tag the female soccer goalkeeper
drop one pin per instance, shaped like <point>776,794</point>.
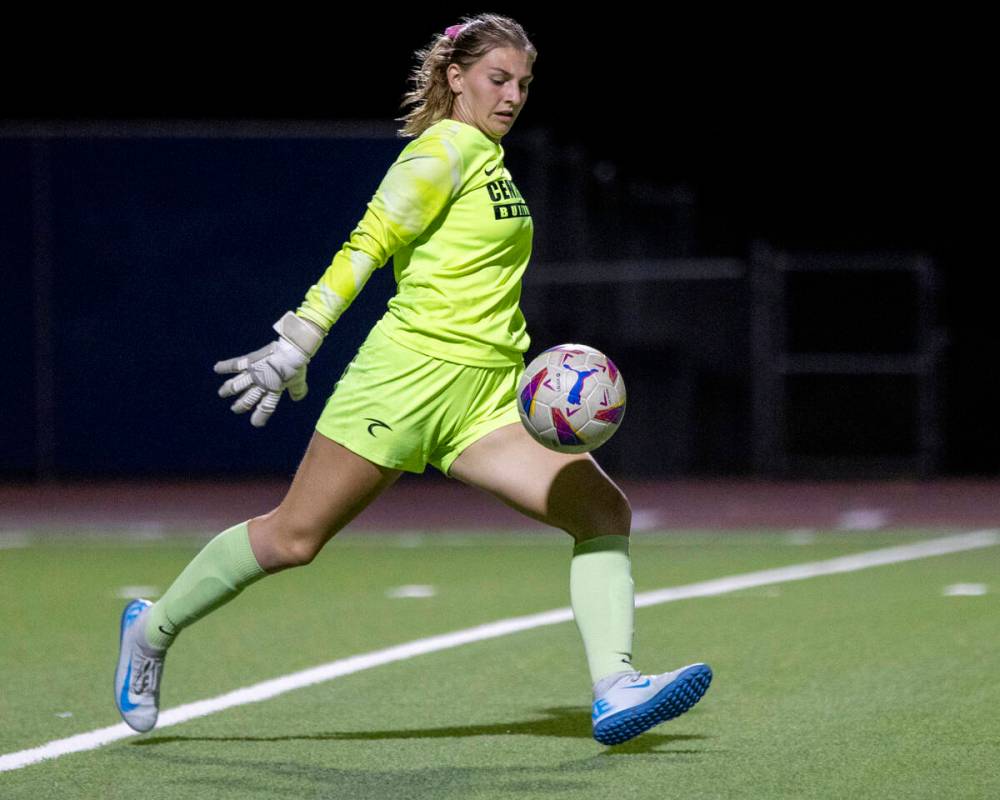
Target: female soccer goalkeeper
<point>434,382</point>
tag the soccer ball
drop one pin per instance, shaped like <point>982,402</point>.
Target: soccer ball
<point>571,398</point>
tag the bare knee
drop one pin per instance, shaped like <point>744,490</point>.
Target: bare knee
<point>280,541</point>
<point>302,545</point>
<point>331,486</point>
<point>608,513</point>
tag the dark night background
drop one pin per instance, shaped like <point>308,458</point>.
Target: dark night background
<point>846,134</point>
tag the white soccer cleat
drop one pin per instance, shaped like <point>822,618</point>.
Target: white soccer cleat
<point>140,667</point>
<point>627,703</point>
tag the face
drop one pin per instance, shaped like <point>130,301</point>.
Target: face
<point>496,83</point>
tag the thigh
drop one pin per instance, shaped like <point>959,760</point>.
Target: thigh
<point>479,401</point>
<point>331,487</point>
<point>567,491</point>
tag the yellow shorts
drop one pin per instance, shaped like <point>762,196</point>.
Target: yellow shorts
<point>403,409</point>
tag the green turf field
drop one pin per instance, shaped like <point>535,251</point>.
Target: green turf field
<point>867,684</point>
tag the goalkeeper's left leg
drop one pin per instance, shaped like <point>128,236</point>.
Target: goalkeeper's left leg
<point>572,492</point>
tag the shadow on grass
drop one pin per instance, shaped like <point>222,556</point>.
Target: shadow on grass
<point>219,777</point>
<point>563,722</point>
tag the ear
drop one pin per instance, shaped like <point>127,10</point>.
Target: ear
<point>454,74</point>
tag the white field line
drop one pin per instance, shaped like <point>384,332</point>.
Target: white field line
<point>492,630</point>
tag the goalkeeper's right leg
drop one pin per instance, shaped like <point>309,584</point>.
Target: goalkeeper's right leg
<point>331,486</point>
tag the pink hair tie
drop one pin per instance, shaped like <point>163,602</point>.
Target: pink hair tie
<point>453,31</point>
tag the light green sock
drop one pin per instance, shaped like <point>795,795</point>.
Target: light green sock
<point>603,598</point>
<point>223,568</point>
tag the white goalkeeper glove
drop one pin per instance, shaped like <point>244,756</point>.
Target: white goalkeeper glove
<point>264,374</point>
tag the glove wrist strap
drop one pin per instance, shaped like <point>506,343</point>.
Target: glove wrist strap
<point>306,336</point>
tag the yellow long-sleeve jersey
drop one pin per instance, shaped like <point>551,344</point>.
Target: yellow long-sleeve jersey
<point>459,233</point>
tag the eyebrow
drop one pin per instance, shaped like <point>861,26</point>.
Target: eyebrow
<point>501,69</point>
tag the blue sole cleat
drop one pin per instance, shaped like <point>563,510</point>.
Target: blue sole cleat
<point>634,703</point>
<point>138,671</point>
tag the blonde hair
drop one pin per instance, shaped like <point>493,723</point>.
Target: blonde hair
<point>431,96</point>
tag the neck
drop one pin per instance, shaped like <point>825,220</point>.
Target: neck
<point>455,116</point>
